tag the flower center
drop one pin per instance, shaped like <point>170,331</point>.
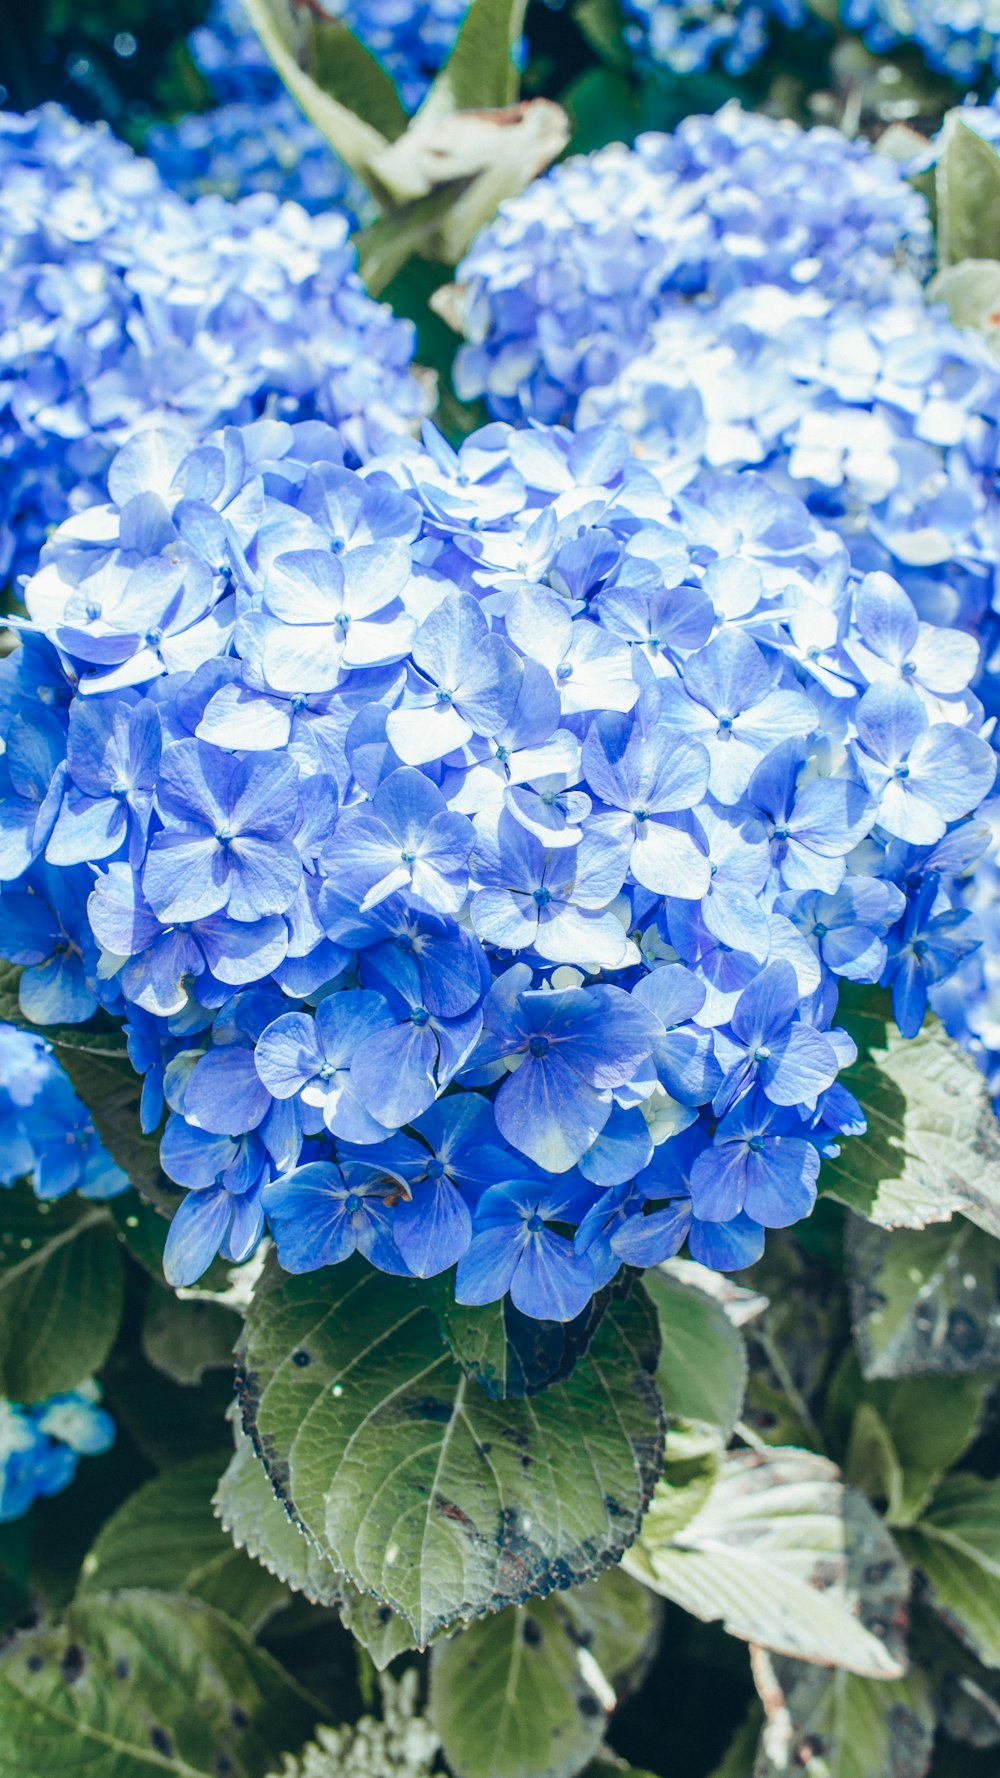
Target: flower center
<point>352,1203</point>
<point>419,1015</point>
<point>538,1047</point>
<point>535,1224</point>
<point>541,897</point>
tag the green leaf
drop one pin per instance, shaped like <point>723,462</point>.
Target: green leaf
<point>257,1522</point>
<point>703,1363</point>
<point>968,194</point>
<point>924,1301</point>
<point>956,1546</point>
<point>166,1536</point>
<point>737,1761</point>
<point>481,72</point>
<point>10,1005</point>
<point>823,1724</point>
<point>508,1353</point>
<point>691,1460</point>
<point>968,1694</point>
<point>142,1229</point>
<point>971,291</point>
<point>348,72</point>
<point>789,1558</point>
<point>932,1147</point>
<point>795,1341</point>
<point>602,23</point>
<point>288,34</point>
<point>907,1434</point>
<point>440,1503</point>
<point>525,1694</point>
<point>143,1683</point>
<point>61,1292</point>
<point>186,1339</point>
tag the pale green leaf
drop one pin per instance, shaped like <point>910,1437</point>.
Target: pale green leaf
<point>165,1536</point>
<point>61,1292</point>
<point>956,1546</point>
<point>255,1519</point>
<point>525,1694</point>
<point>440,1503</point>
<point>787,1557</point>
<point>830,1724</point>
<point>144,1683</point>
<point>480,71</point>
<point>971,291</point>
<point>924,1301</point>
<point>968,194</point>
<point>286,31</point>
<point>932,1147</point>
<point>703,1363</point>
<point>907,1434</point>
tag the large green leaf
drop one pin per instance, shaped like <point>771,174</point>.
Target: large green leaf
<point>509,1353</point>
<point>967,1693</point>
<point>787,1557</point>
<point>971,291</point>
<point>956,1546</point>
<point>525,1694</point>
<point>480,72</point>
<point>142,1683</point>
<point>60,1293</point>
<point>439,1502</point>
<point>824,1724</point>
<point>967,185</point>
<point>166,1536</point>
<point>793,1343</point>
<point>288,32</point>
<point>932,1146</point>
<point>925,1301</point>
<point>256,1521</point>
<point>348,72</point>
<point>906,1434</point>
<point>703,1363</point>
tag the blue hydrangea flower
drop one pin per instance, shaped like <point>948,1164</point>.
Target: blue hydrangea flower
<point>41,1445</point>
<point>960,41</point>
<point>121,302</point>
<point>46,1134</point>
<point>564,287</point>
<point>686,36</point>
<point>493,917</point>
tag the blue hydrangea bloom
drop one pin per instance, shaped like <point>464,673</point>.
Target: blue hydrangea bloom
<point>121,304</point>
<point>564,287</point>
<point>255,137</point>
<point>41,1445</point>
<point>476,842</point>
<point>962,41</point>
<point>686,36</point>
<point>46,1134</point>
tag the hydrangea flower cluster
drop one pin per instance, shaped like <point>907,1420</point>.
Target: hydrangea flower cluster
<point>961,40</point>
<point>121,304</point>
<point>475,843</point>
<point>688,36</point>
<point>256,137</point>
<point>883,417</point>
<point>564,287</point>
<point>46,1134</point>
<point>41,1445</point>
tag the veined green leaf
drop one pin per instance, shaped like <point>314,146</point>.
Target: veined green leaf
<point>440,1503</point>
<point>703,1363</point>
<point>924,1301</point>
<point>956,1546</point>
<point>525,1694</point>
<point>143,1683</point>
<point>165,1536</point>
<point>480,72</point>
<point>787,1557</point>
<point>824,1724</point>
<point>60,1293</point>
<point>932,1148</point>
<point>967,184</point>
